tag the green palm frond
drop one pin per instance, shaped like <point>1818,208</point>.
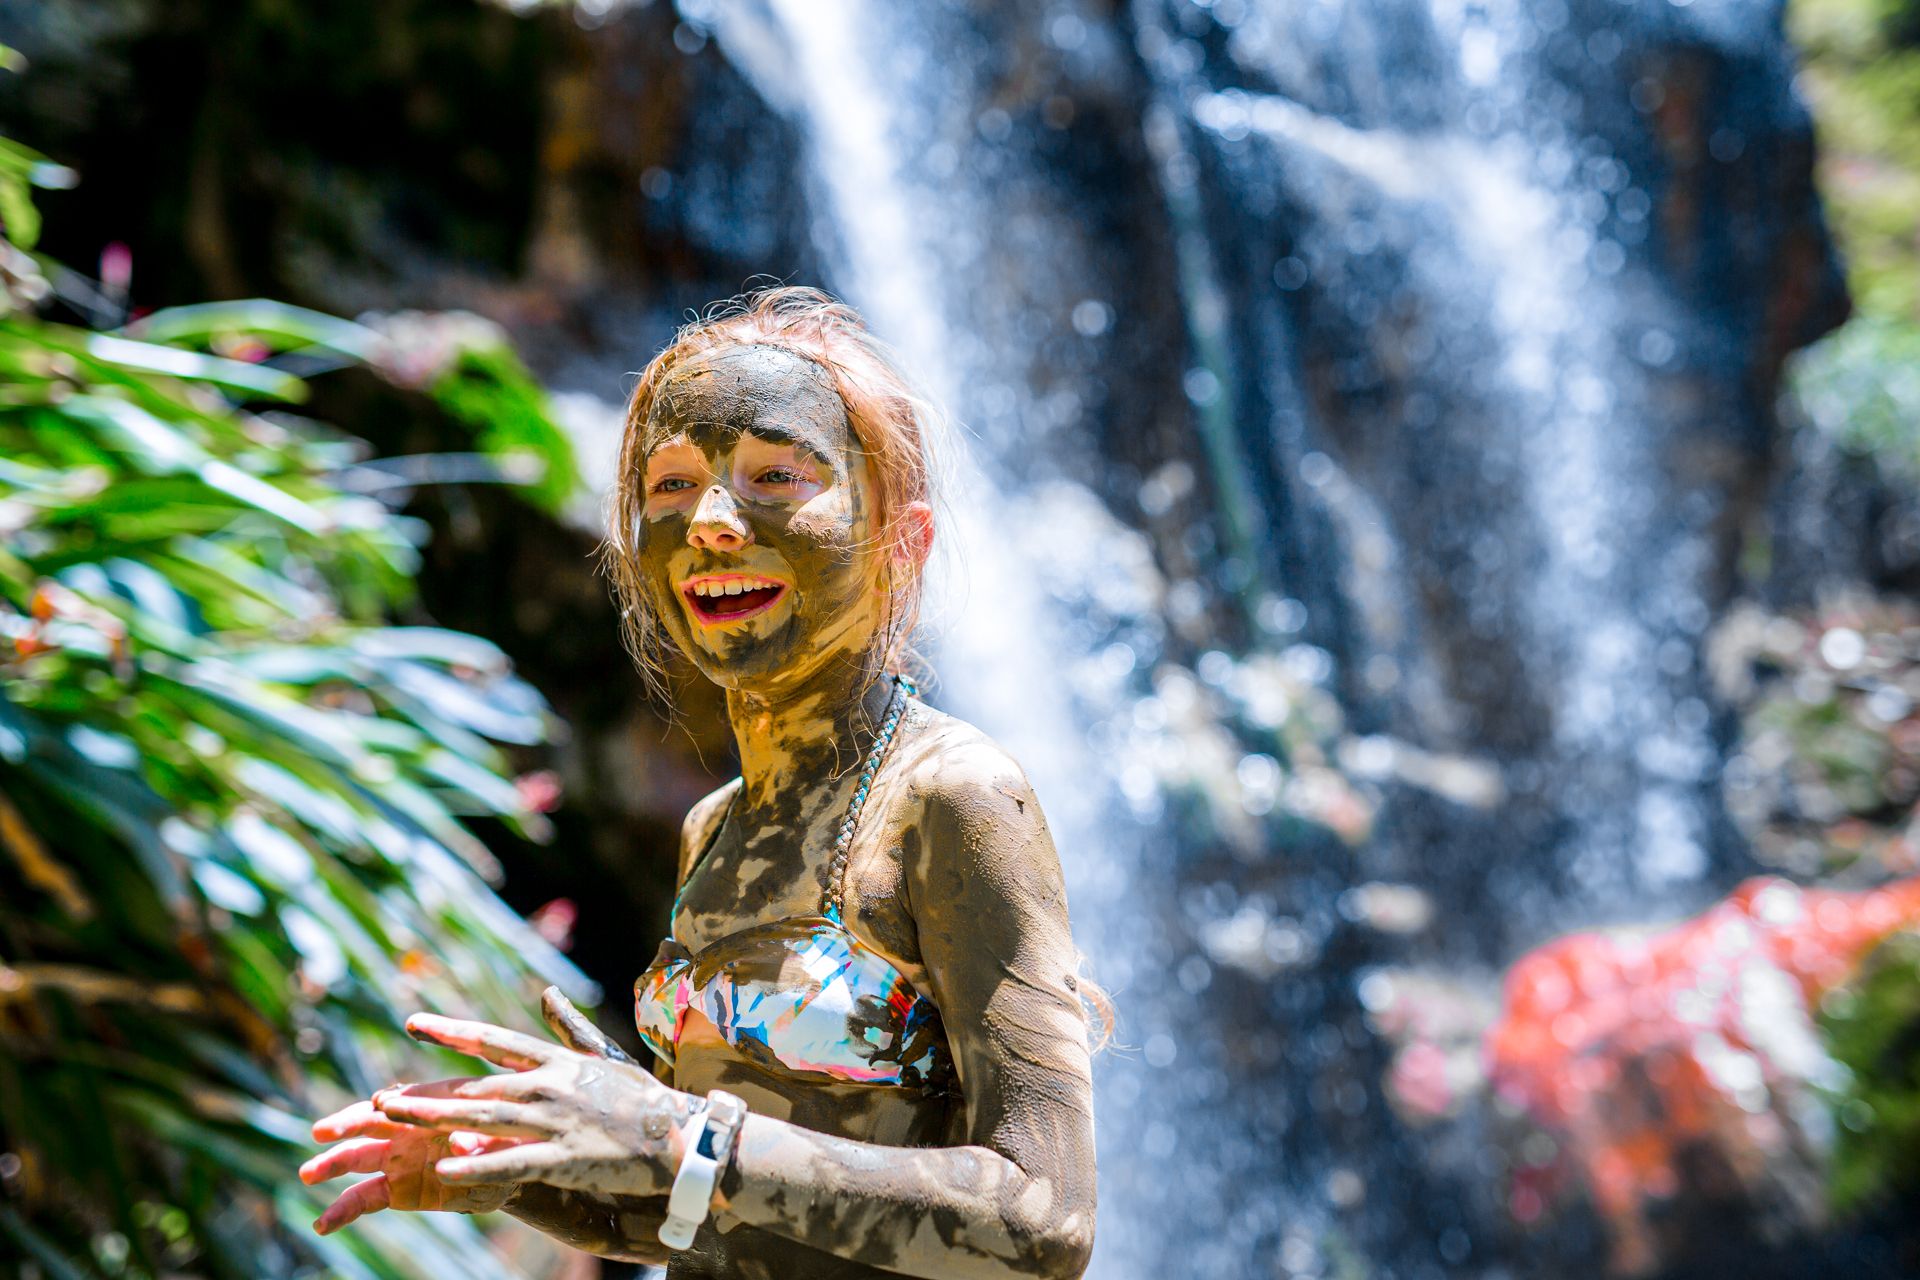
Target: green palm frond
<point>233,851</point>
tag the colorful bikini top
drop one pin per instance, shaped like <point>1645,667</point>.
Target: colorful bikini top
<point>801,994</point>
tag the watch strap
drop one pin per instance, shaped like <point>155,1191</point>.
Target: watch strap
<point>727,1112</point>
<point>707,1141</point>
<point>692,1185</point>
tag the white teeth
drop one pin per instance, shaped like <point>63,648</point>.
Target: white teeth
<point>732,586</point>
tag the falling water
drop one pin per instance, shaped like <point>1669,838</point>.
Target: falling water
<point>1613,641</point>
<point>1361,404</point>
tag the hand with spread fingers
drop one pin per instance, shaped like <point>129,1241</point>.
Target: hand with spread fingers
<point>405,1157</point>
<point>402,1158</point>
<point>574,1120</point>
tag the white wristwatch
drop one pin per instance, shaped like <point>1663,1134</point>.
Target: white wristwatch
<point>708,1138</point>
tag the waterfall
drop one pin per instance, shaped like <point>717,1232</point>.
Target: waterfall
<point>1610,644</point>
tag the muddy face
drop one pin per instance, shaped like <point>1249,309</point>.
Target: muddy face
<point>756,535</point>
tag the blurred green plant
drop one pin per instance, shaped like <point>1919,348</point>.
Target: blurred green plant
<point>464,363</point>
<point>1826,785</point>
<point>232,855</point>
<point>1853,799</point>
<point>1862,386</point>
<point>1862,79</point>
<point>1872,1028</point>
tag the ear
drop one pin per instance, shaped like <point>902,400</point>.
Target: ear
<point>916,536</point>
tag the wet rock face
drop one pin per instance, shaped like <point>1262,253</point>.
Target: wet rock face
<point>666,183</point>
<point>1505,294</point>
<point>1500,300</point>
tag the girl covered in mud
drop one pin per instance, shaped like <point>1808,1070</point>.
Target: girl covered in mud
<point>873,1044</point>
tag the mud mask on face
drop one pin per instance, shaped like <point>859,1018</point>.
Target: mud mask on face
<point>727,429</point>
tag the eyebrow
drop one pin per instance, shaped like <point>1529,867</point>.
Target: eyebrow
<point>774,433</point>
<point>779,433</point>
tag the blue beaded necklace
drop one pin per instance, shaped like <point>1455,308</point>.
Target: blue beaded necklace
<point>837,868</point>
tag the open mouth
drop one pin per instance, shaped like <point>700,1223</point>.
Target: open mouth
<point>731,597</point>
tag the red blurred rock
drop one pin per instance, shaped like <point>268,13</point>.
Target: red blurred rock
<point>1679,1064</point>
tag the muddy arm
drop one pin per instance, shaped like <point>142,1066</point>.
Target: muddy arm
<point>623,1228</point>
<point>990,906</point>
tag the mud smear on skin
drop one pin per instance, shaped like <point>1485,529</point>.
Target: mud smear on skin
<point>712,403</point>
<point>791,683</point>
<point>950,824</point>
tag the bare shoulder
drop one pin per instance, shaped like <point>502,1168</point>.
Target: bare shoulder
<point>701,820</point>
<point>977,824</point>
<point>957,768</point>
<point>984,880</point>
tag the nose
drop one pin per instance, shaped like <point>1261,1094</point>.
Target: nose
<point>717,525</point>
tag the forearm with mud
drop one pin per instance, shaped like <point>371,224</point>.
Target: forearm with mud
<point>621,1228</point>
<point>967,1213</point>
<point>859,1201</point>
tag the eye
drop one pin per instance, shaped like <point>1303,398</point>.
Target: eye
<point>779,475</point>
<point>670,484</point>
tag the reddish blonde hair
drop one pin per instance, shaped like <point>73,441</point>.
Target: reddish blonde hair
<point>893,423</point>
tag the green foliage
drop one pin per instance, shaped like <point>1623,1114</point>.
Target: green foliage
<point>232,855</point>
<point>487,388</point>
<point>1873,1029</point>
<point>18,217</point>
<point>1862,386</point>
<point>1833,750</point>
<point>462,362</point>
<point>1862,77</point>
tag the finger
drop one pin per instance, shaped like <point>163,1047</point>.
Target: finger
<point>516,1164</point>
<point>361,1198</point>
<point>508,1086</point>
<point>361,1155</point>
<point>480,1115</point>
<point>504,1085</point>
<point>576,1031</point>
<point>482,1040</point>
<point>464,1142</point>
<point>361,1120</point>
